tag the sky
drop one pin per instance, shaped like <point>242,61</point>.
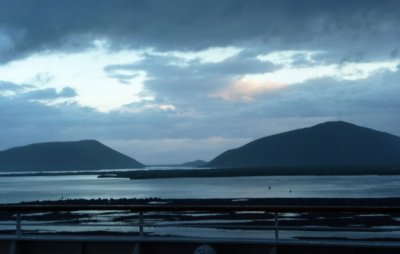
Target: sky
<point>173,81</point>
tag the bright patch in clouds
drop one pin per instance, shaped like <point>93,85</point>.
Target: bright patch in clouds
<point>245,89</point>
<point>289,57</point>
<point>146,106</point>
<point>83,72</point>
<point>210,55</point>
<point>298,67</point>
<point>355,71</point>
<point>95,87</point>
<point>167,107</point>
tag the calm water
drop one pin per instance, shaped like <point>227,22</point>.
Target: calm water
<point>16,189</point>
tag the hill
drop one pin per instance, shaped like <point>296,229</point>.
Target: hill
<point>196,163</point>
<point>76,155</point>
<point>330,144</point>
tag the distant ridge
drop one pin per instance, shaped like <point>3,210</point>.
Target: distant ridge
<point>330,144</point>
<point>196,163</point>
<point>74,155</point>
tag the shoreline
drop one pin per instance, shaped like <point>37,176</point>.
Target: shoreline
<point>244,172</point>
<point>391,201</point>
<point>140,174</point>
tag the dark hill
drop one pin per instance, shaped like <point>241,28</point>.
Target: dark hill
<point>77,155</point>
<point>331,144</point>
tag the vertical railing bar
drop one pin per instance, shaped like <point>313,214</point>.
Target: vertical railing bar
<point>266,213</point>
<point>141,223</point>
<point>18,224</point>
<point>276,227</point>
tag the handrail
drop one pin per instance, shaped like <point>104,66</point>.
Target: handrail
<point>20,209</point>
<point>202,208</point>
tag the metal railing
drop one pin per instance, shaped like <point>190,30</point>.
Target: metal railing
<point>274,213</point>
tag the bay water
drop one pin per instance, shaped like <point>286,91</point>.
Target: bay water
<point>30,188</point>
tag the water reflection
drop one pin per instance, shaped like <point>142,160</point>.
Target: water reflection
<point>28,188</point>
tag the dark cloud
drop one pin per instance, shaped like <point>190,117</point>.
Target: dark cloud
<point>27,26</point>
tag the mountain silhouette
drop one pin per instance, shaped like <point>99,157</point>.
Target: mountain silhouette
<point>330,144</point>
<point>75,155</point>
<point>196,163</point>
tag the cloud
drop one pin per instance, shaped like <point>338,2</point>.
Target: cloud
<point>193,25</point>
<point>296,67</point>
<point>371,102</point>
<point>173,79</point>
<point>25,92</point>
<point>83,72</point>
<point>49,94</point>
<point>6,86</point>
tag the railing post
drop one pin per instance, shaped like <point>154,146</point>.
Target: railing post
<point>18,224</point>
<point>141,223</point>
<point>276,226</point>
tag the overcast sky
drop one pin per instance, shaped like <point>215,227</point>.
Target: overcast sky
<point>179,80</point>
